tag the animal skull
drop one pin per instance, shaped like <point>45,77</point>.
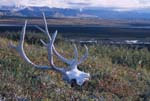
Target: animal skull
<point>69,74</point>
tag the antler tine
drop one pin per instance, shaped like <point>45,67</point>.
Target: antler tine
<point>50,54</point>
<point>70,62</point>
<point>75,60</point>
<point>21,42</point>
<point>61,57</point>
<point>85,56</point>
<point>75,53</point>
<point>43,42</point>
<point>46,28</point>
<point>21,38</point>
<point>21,51</point>
<point>41,29</point>
<point>55,51</point>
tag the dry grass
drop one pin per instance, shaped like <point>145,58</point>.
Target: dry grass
<point>109,81</point>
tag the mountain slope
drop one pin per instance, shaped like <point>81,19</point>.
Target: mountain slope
<point>106,13</point>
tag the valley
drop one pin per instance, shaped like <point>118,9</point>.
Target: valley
<point>88,30</point>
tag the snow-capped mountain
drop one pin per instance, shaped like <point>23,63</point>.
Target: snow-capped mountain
<point>106,13</point>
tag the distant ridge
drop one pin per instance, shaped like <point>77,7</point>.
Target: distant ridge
<point>104,13</point>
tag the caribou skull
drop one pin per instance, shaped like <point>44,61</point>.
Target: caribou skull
<point>71,74</point>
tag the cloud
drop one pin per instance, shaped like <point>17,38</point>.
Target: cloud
<point>125,4</point>
<point>50,3</point>
<point>122,3</point>
<point>117,3</point>
<point>10,2</point>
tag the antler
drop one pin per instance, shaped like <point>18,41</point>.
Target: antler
<point>69,62</point>
<point>70,75</point>
<point>19,48</point>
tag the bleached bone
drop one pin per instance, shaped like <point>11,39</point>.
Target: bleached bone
<point>70,74</point>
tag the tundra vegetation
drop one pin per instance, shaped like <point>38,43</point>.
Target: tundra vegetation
<point>117,73</point>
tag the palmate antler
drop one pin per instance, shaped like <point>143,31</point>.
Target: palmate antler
<point>73,74</point>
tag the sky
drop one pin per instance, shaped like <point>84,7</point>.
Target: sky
<point>120,4</point>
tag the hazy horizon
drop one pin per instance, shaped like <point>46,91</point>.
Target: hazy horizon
<point>118,4</point>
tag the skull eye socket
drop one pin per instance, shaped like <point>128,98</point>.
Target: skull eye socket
<point>73,83</point>
<point>86,83</point>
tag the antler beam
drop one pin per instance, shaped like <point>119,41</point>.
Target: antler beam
<point>69,75</point>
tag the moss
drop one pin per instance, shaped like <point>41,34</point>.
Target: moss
<point>115,74</point>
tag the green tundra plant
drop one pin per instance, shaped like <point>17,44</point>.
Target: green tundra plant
<point>72,74</point>
<point>108,80</point>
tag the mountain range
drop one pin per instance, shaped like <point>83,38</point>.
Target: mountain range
<point>104,13</point>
